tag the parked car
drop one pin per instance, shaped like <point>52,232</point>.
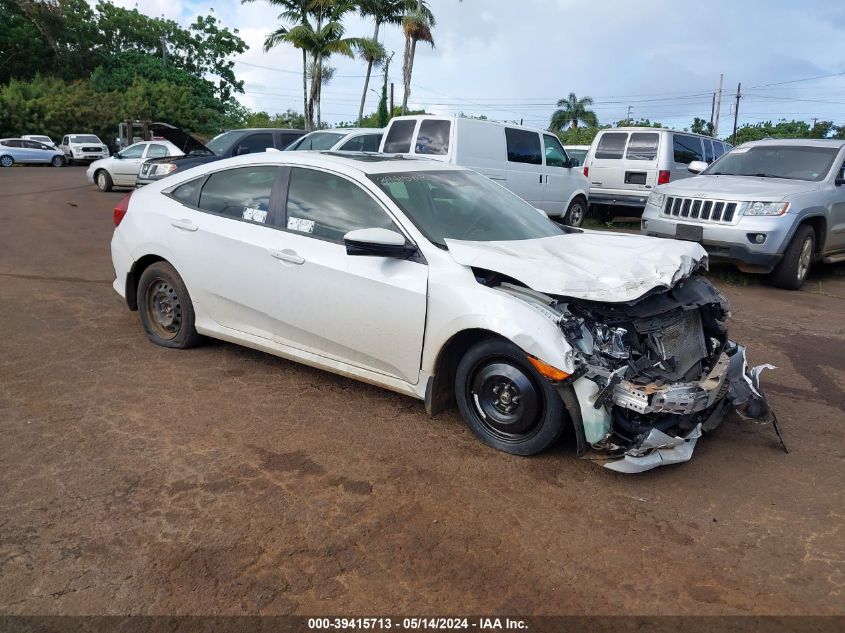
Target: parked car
<point>40,138</point>
<point>766,206</point>
<point>577,153</point>
<point>226,145</point>
<point>431,280</point>
<point>532,163</point>
<point>83,148</point>
<point>18,150</point>
<point>625,164</point>
<point>340,140</point>
<point>121,170</point>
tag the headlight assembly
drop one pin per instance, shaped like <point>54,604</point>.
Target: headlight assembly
<point>656,199</point>
<point>766,208</point>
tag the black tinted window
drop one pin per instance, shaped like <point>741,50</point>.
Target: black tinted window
<point>523,146</point>
<point>611,145</point>
<point>433,137</point>
<point>14,143</point>
<point>328,206</point>
<point>186,193</point>
<point>718,149</point>
<point>399,137</point>
<point>555,156</point>
<point>687,148</point>
<point>708,150</point>
<point>363,143</point>
<point>642,146</point>
<point>254,143</point>
<point>240,193</point>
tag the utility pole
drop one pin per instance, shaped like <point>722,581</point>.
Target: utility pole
<point>718,107</point>
<point>391,99</point>
<point>712,110</point>
<point>736,109</point>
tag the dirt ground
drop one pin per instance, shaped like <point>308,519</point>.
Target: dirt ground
<point>220,480</point>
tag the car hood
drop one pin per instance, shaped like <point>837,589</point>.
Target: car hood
<point>179,138</point>
<point>590,265</point>
<point>740,188</point>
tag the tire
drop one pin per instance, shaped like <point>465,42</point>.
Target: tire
<point>164,304</point>
<point>103,180</point>
<point>505,402</point>
<point>793,267</point>
<point>58,161</point>
<point>6,161</point>
<point>576,213</point>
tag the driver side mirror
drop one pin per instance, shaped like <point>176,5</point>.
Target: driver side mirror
<point>241,150</point>
<point>697,166</point>
<point>839,182</point>
<point>117,155</point>
<point>573,162</point>
<point>377,243</point>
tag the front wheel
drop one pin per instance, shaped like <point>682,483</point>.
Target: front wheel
<point>164,304</point>
<point>792,270</point>
<point>104,181</point>
<point>505,402</point>
<point>576,213</point>
<point>58,161</point>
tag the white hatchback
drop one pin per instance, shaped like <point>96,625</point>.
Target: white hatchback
<point>434,281</point>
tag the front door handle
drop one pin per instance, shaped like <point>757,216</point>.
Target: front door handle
<point>289,256</point>
<point>184,225</point>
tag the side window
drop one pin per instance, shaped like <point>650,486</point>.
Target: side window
<point>64,140</point>
<point>708,150</point>
<point>555,156</point>
<point>156,151</point>
<point>32,145</point>
<point>370,142</point>
<point>133,151</point>
<point>611,145</point>
<point>433,137</point>
<point>242,193</point>
<point>642,146</point>
<point>718,149</point>
<point>14,143</point>
<point>399,137</point>
<point>523,146</point>
<point>186,193</point>
<point>687,149</point>
<point>254,143</point>
<point>328,206</point>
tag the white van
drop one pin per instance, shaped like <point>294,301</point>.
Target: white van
<point>530,162</point>
<point>625,164</point>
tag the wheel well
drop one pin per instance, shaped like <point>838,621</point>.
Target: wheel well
<point>440,394</point>
<point>134,275</point>
<point>819,226</point>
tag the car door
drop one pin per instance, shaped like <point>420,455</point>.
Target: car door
<point>560,179</point>
<point>525,170</point>
<point>127,164</point>
<point>224,234</point>
<point>64,146</point>
<point>36,152</point>
<point>364,311</point>
<point>685,149</point>
<point>837,231</point>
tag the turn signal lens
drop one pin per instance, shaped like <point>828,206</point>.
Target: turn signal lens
<point>552,373</point>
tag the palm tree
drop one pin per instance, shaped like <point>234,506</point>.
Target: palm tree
<point>417,25</point>
<point>572,110</point>
<point>382,12</point>
<point>328,40</point>
<point>372,52</point>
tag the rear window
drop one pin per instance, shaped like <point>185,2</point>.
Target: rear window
<point>687,149</point>
<point>523,146</point>
<point>399,135</point>
<point>642,146</point>
<point>433,137</point>
<point>611,145</point>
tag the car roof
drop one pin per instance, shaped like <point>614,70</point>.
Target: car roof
<point>455,117</point>
<point>797,142</point>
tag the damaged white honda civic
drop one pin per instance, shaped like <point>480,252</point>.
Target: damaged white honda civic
<point>436,282</point>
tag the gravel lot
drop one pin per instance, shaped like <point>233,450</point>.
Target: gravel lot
<point>222,480</point>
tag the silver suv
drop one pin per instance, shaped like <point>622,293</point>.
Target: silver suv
<point>766,206</point>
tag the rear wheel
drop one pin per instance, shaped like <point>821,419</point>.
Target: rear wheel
<point>6,161</point>
<point>792,270</point>
<point>576,213</point>
<point>505,402</point>
<point>103,179</point>
<point>164,304</point>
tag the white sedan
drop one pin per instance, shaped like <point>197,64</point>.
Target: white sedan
<point>436,282</point>
<point>121,170</point>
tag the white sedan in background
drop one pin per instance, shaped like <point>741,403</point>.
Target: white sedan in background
<point>434,281</point>
<point>339,140</point>
<point>121,170</point>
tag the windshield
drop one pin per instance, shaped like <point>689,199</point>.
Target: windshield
<point>41,139</point>
<point>792,162</point>
<point>577,154</point>
<point>220,143</point>
<point>85,138</point>
<point>464,205</point>
<point>317,141</point>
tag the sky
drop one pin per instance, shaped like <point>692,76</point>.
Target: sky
<point>513,59</point>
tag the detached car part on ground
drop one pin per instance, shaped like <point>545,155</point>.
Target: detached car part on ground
<point>451,290</point>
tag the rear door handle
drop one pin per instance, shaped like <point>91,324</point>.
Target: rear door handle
<point>289,256</point>
<point>184,225</point>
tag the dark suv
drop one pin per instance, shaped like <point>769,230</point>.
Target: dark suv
<point>226,145</point>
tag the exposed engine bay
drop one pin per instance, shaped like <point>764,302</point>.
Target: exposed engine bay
<point>652,374</point>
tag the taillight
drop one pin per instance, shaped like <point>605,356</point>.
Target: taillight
<point>662,176</point>
<point>586,172</point>
<point>121,208</point>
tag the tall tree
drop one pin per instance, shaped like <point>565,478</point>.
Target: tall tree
<point>382,12</point>
<point>417,25</point>
<point>572,111</point>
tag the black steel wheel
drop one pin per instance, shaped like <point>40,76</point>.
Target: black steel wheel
<point>505,402</point>
<point>164,304</point>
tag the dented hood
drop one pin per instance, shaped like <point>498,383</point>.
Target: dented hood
<point>591,265</point>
